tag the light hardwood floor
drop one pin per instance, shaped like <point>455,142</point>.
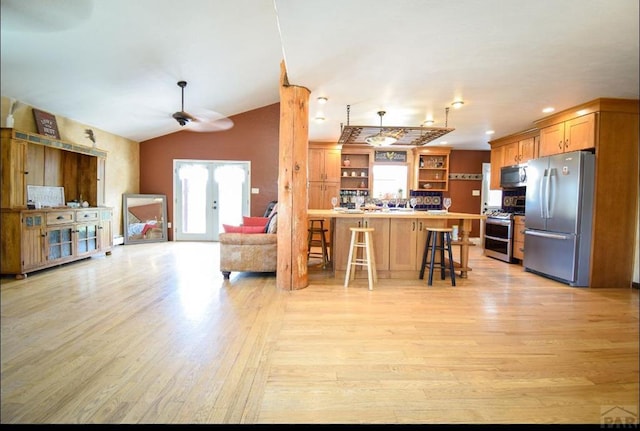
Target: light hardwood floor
<point>153,334</point>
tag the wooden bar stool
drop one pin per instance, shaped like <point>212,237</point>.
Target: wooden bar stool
<point>314,241</point>
<point>361,238</point>
<point>443,237</point>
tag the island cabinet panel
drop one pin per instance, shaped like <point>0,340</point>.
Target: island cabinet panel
<point>407,240</point>
<point>342,241</point>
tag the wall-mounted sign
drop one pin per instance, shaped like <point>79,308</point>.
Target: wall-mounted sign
<point>391,156</point>
<point>46,123</point>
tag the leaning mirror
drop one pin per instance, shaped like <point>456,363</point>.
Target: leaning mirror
<point>144,218</point>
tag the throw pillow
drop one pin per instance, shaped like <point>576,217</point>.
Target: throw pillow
<point>242,229</point>
<point>252,229</point>
<point>232,229</point>
<point>255,221</point>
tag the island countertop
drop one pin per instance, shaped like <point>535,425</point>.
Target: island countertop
<point>400,236</point>
<point>322,213</point>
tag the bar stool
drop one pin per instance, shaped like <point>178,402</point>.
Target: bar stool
<point>433,235</point>
<point>361,238</point>
<point>313,241</point>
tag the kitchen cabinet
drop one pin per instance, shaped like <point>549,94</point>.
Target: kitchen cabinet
<point>342,240</point>
<point>520,152</point>
<point>518,237</point>
<point>571,135</point>
<point>324,175</point>
<point>497,157</point>
<point>431,169</point>
<point>38,239</point>
<point>510,150</point>
<point>13,157</point>
<point>406,255</point>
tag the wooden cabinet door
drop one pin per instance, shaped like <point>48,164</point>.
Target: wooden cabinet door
<point>87,242</point>
<point>380,241</point>
<point>32,241</point>
<point>105,236</point>
<point>496,163</point>
<point>552,140</point>
<point>316,191</point>
<point>59,243</point>
<point>331,189</point>
<point>332,166</point>
<point>316,164</point>
<point>518,238</point>
<point>403,250</point>
<point>342,240</point>
<point>528,149</point>
<point>14,171</point>
<point>580,133</point>
<point>511,154</point>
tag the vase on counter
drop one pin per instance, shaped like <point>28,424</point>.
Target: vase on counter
<point>346,161</point>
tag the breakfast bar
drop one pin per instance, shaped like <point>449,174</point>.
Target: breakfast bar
<point>399,238</point>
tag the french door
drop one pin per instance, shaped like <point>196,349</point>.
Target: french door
<point>209,194</point>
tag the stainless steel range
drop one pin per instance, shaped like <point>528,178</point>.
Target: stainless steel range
<point>498,235</point>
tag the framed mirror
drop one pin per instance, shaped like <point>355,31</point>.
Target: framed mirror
<point>144,218</point>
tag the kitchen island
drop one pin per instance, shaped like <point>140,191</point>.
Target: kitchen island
<point>398,239</point>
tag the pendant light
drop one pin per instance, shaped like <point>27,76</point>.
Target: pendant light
<point>380,139</point>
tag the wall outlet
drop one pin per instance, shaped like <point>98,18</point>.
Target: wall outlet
<point>255,190</point>
<point>168,225</point>
<point>475,192</point>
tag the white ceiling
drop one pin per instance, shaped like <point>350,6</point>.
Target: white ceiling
<point>114,64</point>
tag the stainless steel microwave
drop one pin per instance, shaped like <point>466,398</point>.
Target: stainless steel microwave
<point>513,176</point>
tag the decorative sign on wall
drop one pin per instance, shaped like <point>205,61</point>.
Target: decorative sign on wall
<point>391,156</point>
<point>46,123</point>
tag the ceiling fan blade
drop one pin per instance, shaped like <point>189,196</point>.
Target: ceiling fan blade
<point>210,126</point>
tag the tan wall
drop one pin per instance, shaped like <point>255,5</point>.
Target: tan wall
<point>122,167</point>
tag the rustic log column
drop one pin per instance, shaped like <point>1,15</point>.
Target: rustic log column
<point>292,270</point>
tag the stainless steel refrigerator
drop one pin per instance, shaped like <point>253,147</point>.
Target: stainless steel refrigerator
<point>559,215</point>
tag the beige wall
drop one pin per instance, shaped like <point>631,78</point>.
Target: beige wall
<point>123,158</point>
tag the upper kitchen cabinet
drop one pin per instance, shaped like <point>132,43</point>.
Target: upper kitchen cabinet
<point>510,150</point>
<point>431,169</point>
<point>571,135</point>
<point>324,175</point>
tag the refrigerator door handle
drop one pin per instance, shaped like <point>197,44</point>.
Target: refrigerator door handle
<point>541,189</point>
<point>547,192</point>
<point>551,192</point>
<point>546,234</point>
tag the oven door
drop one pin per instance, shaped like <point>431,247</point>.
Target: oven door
<point>498,241</point>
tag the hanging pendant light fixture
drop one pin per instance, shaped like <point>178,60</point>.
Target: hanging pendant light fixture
<point>380,139</point>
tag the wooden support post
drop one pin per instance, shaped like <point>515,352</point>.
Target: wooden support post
<point>292,270</point>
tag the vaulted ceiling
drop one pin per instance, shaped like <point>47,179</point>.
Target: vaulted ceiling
<point>114,64</point>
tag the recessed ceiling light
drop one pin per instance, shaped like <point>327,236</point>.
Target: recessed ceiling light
<point>490,132</point>
<point>444,142</point>
<point>322,100</point>
<point>548,109</point>
<point>428,122</point>
<point>457,104</point>
<point>320,119</point>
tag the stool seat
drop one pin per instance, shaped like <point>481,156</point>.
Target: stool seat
<point>433,235</point>
<point>361,239</point>
<point>312,241</point>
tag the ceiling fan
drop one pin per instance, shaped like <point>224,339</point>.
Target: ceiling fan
<point>203,120</point>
